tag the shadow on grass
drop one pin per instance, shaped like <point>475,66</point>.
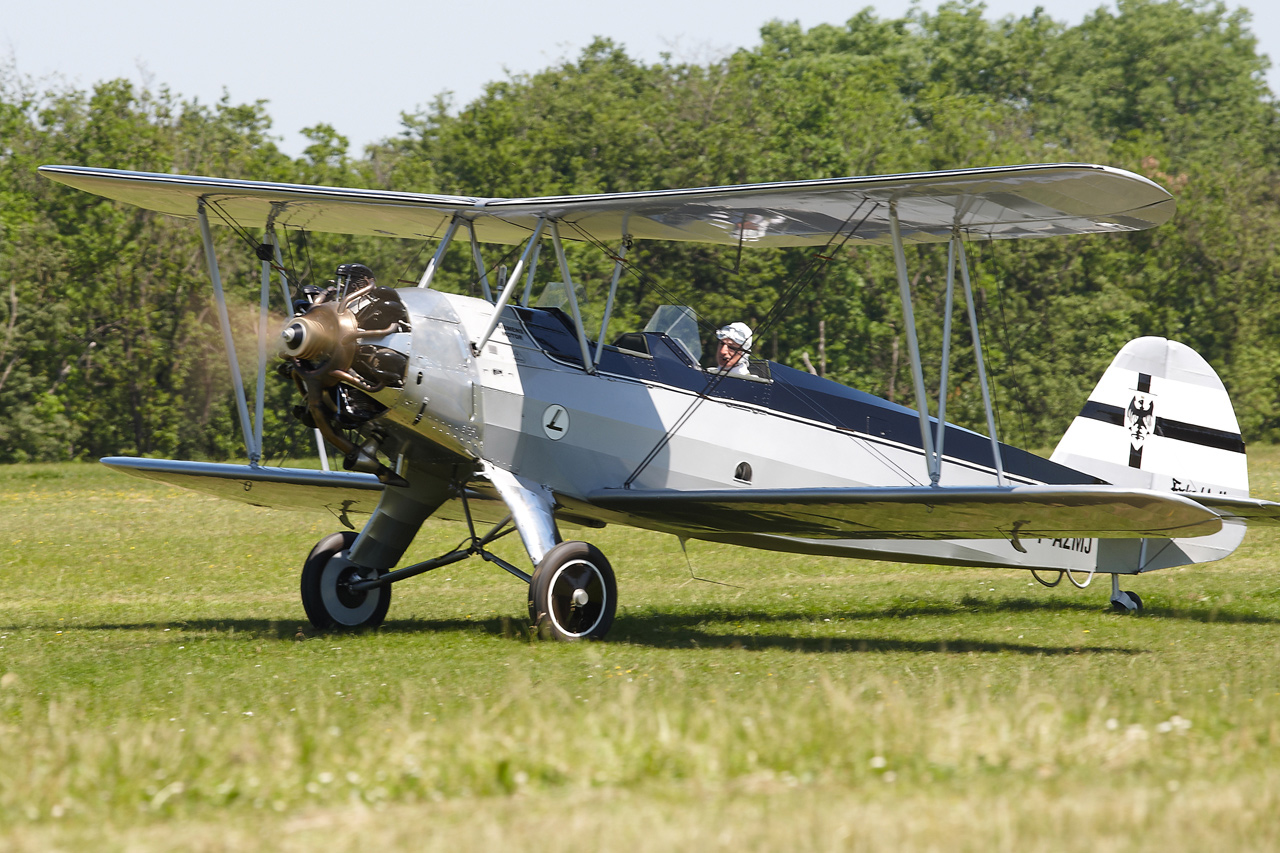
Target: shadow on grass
<point>1205,615</point>
<point>662,631</point>
<point>697,630</point>
<point>685,630</point>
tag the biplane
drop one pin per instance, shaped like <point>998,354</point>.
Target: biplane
<point>510,414</point>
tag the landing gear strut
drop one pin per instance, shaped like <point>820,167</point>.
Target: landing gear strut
<point>572,593</point>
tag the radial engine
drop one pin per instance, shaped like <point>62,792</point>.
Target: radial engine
<point>327,349</point>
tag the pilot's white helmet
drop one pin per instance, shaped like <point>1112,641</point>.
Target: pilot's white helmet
<point>738,333</point>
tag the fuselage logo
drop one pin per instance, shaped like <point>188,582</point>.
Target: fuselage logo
<point>1140,419</point>
<point>555,421</point>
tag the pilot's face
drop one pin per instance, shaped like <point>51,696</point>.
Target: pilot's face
<point>727,354</point>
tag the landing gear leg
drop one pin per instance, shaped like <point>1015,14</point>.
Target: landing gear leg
<point>1123,601</point>
<point>345,581</point>
<point>573,593</point>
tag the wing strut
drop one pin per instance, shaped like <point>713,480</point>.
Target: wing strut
<point>264,304</point>
<point>481,271</point>
<point>533,271</point>
<point>270,239</point>
<point>941,430</point>
<point>955,249</point>
<point>273,242</point>
<point>913,345</point>
<point>619,259</point>
<point>430,272</point>
<point>587,364</point>
<point>955,254</point>
<point>251,445</point>
<point>977,355</point>
<point>505,296</point>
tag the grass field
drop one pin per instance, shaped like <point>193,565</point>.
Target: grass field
<point>161,690</point>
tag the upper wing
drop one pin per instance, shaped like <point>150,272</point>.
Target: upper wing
<point>984,512</point>
<point>1003,202</point>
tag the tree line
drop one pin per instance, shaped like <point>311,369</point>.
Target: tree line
<point>107,337</point>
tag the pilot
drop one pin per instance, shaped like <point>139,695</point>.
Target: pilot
<point>733,348</point>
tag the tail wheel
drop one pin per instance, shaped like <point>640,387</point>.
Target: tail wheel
<point>326,593</point>
<point>1126,602</point>
<point>573,594</point>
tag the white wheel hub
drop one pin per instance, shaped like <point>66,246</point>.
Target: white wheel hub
<point>345,607</point>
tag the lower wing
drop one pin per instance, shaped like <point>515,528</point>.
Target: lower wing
<point>864,513</point>
<point>986,512</point>
<point>279,488</point>
<point>338,492</point>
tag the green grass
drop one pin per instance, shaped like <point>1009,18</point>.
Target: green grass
<point>161,690</point>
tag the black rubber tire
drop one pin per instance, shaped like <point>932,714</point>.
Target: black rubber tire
<point>568,568</point>
<point>327,604</point>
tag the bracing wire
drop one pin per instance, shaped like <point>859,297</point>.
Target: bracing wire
<point>1008,347</point>
<point>412,263</point>
<point>986,354</point>
<point>693,577</point>
<point>231,223</point>
<point>256,245</point>
<point>634,269</point>
<point>510,253</point>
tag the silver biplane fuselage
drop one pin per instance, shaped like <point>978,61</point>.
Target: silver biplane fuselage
<point>561,437</point>
<point>526,406</point>
<point>490,409</point>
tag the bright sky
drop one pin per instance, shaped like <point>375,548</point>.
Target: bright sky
<point>359,65</point>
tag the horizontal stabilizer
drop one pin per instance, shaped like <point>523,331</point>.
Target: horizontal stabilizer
<point>989,512</point>
<point>338,492</point>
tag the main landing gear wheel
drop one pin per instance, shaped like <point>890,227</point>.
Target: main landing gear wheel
<point>1126,602</point>
<point>326,594</point>
<point>573,593</point>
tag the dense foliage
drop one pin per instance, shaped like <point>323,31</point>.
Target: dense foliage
<point>106,339</point>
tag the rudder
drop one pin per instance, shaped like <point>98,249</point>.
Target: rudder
<point>1160,418</point>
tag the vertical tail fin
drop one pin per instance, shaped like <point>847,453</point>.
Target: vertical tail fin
<point>1159,419</point>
